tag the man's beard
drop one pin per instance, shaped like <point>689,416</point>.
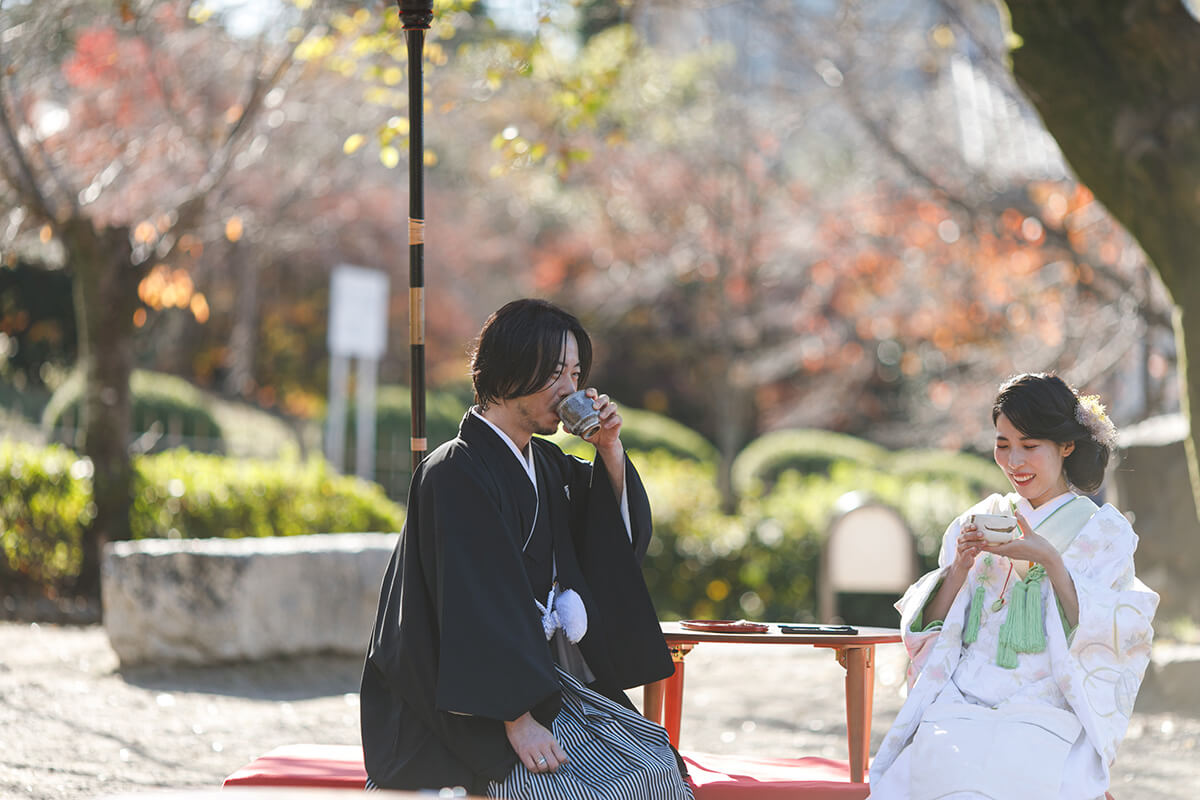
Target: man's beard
<point>540,428</point>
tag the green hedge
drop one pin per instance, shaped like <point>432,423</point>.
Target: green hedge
<point>45,502</point>
<point>803,450</point>
<point>763,562</point>
<point>647,432</point>
<point>195,496</point>
<point>765,459</point>
<point>979,473</point>
<point>760,563</point>
<point>170,406</point>
<point>393,432</point>
<point>642,431</point>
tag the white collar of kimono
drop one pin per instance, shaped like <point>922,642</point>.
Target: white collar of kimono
<point>1035,516</point>
<point>525,459</point>
<point>564,608</point>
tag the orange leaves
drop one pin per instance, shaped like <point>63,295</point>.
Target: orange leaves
<point>549,272</point>
<point>171,288</point>
<point>145,233</point>
<point>102,58</point>
<point>737,290</point>
<point>94,57</point>
<point>822,274</point>
<point>941,394</point>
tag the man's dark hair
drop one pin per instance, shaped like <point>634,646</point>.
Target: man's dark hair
<point>518,349</point>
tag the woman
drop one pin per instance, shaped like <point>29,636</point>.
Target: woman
<point>1026,656</point>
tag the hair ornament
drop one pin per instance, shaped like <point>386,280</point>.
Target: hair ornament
<point>1091,414</point>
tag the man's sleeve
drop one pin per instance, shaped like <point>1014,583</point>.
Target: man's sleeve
<point>493,660</point>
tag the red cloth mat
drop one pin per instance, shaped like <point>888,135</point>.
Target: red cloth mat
<point>714,777</point>
<point>332,766</point>
<point>718,777</point>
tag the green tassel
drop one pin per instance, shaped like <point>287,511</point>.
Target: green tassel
<point>1024,629</point>
<point>1010,633</point>
<point>1006,656</point>
<point>1034,634</point>
<point>972,630</point>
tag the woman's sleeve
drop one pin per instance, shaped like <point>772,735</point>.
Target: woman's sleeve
<point>918,633</point>
<point>1100,665</point>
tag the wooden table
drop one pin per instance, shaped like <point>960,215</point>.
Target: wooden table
<point>663,700</point>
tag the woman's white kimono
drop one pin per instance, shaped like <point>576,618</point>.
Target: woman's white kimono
<point>1093,672</point>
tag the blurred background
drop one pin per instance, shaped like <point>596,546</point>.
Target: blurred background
<point>809,239</point>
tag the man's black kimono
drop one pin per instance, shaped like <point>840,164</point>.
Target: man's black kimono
<point>458,645</point>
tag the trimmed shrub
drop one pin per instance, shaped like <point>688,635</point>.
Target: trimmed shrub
<point>45,503</point>
<point>168,406</point>
<point>393,432</point>
<point>981,474</point>
<point>803,450</point>
<point>763,563</point>
<point>646,431</point>
<point>196,496</point>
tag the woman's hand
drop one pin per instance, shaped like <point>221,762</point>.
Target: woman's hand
<point>1037,549</point>
<point>1030,547</point>
<point>970,544</point>
<point>537,748</point>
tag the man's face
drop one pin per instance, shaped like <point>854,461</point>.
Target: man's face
<point>536,411</point>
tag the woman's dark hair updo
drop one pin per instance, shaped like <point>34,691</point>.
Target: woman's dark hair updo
<point>1043,406</point>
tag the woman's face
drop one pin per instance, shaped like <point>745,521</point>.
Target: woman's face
<point>1034,466</point>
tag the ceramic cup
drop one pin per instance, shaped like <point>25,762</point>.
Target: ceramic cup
<point>577,415</point>
<point>997,528</point>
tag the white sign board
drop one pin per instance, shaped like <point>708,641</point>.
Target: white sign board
<point>358,303</point>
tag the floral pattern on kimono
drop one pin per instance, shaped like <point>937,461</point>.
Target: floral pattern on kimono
<point>1094,671</point>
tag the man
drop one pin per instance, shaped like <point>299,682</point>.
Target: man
<point>469,679</point>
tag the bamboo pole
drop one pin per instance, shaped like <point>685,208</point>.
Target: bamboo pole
<point>416,15</point>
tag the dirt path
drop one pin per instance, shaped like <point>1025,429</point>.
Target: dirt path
<point>73,726</point>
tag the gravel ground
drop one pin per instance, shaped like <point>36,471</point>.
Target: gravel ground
<point>74,725</point>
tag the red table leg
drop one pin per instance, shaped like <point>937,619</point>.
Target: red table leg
<point>652,700</point>
<point>662,701</point>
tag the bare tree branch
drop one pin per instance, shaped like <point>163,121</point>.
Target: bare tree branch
<point>23,181</point>
<point>191,208</point>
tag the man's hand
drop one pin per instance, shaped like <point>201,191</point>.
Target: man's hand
<point>607,440</point>
<point>534,745</point>
<point>609,435</point>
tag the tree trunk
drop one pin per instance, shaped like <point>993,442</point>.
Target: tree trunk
<point>239,381</point>
<point>1118,86</point>
<point>106,297</point>
<point>735,413</point>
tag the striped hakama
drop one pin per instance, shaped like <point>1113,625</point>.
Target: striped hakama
<point>613,753</point>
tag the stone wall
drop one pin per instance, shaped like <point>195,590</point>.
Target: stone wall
<point>200,601</point>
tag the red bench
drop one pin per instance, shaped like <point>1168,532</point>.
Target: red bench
<point>714,777</point>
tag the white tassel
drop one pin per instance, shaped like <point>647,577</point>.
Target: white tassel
<point>572,615</point>
<point>564,610</point>
<point>549,618</point>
